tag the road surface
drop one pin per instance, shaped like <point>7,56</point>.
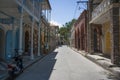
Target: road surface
<point>65,64</point>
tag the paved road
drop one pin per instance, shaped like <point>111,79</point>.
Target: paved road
<point>65,64</point>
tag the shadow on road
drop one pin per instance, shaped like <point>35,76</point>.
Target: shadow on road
<point>48,66</point>
<point>40,70</point>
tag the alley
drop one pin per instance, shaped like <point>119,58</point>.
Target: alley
<point>65,64</point>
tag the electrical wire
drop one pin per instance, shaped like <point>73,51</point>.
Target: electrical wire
<point>80,7</point>
<point>84,5</point>
<point>75,10</point>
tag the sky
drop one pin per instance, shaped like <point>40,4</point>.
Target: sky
<point>64,11</point>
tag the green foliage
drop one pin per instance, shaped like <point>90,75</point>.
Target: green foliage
<point>65,30</point>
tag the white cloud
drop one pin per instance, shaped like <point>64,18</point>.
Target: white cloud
<point>56,23</point>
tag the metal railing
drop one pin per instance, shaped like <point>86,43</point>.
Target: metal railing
<point>34,9</point>
<point>101,8</point>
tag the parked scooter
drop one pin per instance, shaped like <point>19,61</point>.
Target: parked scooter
<point>12,70</point>
<point>16,67</point>
<point>19,62</point>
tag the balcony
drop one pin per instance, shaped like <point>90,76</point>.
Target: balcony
<point>101,13</point>
<point>101,8</point>
<point>33,10</point>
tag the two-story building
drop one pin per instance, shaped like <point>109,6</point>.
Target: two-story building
<point>21,22</point>
<point>54,37</point>
<point>104,21</point>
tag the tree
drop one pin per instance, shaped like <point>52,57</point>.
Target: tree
<point>65,30</point>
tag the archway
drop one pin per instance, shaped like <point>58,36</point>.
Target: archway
<point>27,43</point>
<point>75,39</point>
<point>35,43</point>
<point>95,41</point>
<point>82,37</point>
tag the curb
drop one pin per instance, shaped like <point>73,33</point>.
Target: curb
<point>104,65</point>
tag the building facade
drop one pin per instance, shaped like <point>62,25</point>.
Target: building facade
<point>72,37</point>
<point>21,22</point>
<point>81,32</point>
<point>104,31</point>
<point>98,29</point>
<point>54,37</point>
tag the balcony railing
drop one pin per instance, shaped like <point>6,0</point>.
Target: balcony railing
<point>29,5</point>
<point>103,6</point>
<point>34,9</point>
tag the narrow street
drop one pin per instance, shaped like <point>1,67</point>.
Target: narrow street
<point>65,64</point>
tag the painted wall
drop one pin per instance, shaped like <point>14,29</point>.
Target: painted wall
<point>80,32</point>
<point>107,38</point>
<point>9,44</point>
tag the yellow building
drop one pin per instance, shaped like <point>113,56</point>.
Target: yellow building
<point>107,44</point>
<point>104,20</point>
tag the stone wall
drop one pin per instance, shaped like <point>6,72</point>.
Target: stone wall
<point>115,56</point>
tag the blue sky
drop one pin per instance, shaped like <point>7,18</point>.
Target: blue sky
<point>64,11</point>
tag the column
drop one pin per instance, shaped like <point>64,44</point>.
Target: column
<point>39,29</point>
<point>13,38</point>
<point>32,33</point>
<point>90,30</point>
<point>39,38</point>
<point>91,39</point>
<point>21,30</point>
<point>115,56</point>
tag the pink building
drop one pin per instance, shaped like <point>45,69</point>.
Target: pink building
<point>81,32</point>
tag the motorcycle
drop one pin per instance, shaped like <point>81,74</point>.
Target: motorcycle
<point>16,67</point>
<point>13,70</point>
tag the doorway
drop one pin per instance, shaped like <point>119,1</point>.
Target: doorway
<point>27,42</point>
<point>95,41</point>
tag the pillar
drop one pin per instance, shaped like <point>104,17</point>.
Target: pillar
<point>89,27</point>
<point>115,56</point>
<point>91,38</point>
<point>32,33</point>
<point>39,30</point>
<point>13,37</point>
<point>39,38</point>
<point>20,51</point>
